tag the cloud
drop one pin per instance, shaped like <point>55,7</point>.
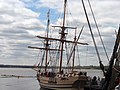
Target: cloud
<point>16,23</point>
<point>21,20</point>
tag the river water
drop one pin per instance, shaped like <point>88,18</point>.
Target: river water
<point>29,81</point>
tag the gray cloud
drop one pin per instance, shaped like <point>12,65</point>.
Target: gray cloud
<point>16,22</point>
<point>19,24</point>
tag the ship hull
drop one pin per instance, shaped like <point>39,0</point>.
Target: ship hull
<point>55,86</point>
<point>73,82</point>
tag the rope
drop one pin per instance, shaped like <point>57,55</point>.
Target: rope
<point>66,50</point>
<point>42,59</point>
<point>75,45</point>
<point>98,29</point>
<point>101,65</point>
<point>78,56</point>
<point>116,69</point>
<point>86,55</point>
<point>38,58</point>
<point>91,31</point>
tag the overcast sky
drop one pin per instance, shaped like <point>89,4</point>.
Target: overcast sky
<point>22,20</point>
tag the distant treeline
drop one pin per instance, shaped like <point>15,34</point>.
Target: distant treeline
<point>15,66</point>
<point>26,66</point>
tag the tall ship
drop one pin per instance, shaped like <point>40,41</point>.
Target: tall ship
<point>59,77</point>
<point>54,75</point>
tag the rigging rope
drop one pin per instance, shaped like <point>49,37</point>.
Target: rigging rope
<point>42,59</point>
<point>86,55</point>
<point>78,56</point>
<point>66,50</point>
<point>38,58</point>
<point>75,45</point>
<point>98,29</point>
<point>96,48</point>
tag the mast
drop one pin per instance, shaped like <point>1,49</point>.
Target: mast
<point>62,35</point>
<point>109,72</point>
<point>46,43</point>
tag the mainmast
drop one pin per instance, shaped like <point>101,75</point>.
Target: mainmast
<point>63,35</point>
<point>63,38</point>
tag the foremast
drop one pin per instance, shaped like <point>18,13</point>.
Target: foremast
<point>47,41</point>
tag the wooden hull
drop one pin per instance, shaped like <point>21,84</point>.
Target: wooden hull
<point>55,86</point>
<point>77,82</point>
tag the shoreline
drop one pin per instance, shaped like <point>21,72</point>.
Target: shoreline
<point>30,66</point>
